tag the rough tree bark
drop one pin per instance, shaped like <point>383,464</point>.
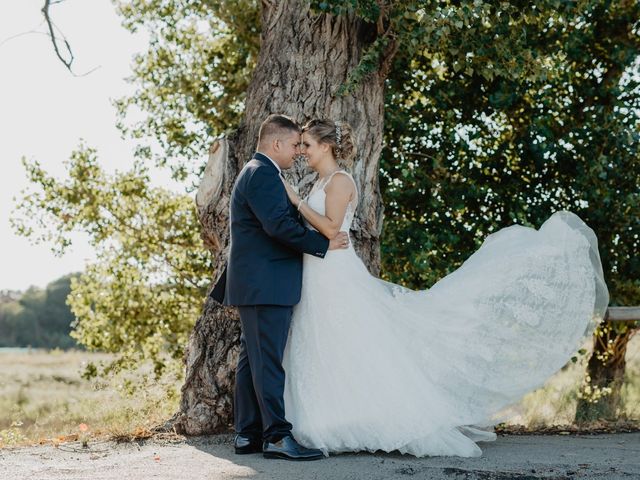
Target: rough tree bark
<point>606,369</point>
<point>302,62</point>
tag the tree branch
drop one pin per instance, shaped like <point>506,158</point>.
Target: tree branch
<point>54,39</point>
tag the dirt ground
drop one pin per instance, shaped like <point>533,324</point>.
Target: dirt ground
<point>606,456</point>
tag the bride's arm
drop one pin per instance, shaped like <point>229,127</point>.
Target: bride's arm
<point>339,191</point>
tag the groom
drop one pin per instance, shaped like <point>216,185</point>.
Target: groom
<point>264,279</point>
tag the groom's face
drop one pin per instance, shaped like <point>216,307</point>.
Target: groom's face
<point>288,149</point>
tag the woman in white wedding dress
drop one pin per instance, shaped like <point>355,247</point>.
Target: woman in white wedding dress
<point>374,366</point>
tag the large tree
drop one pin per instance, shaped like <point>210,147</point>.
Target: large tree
<point>305,57</point>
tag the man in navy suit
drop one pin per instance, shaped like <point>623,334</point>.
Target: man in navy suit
<point>264,280</point>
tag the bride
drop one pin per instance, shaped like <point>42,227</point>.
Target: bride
<point>374,366</point>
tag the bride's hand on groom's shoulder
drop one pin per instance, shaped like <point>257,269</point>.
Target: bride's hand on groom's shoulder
<point>341,240</point>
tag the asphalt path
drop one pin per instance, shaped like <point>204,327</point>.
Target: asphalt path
<point>605,456</point>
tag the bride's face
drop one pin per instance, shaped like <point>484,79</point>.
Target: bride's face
<point>314,151</point>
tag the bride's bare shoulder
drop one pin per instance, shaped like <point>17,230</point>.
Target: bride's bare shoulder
<point>341,184</point>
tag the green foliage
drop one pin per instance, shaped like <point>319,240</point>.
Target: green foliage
<point>38,318</point>
<point>141,297</point>
<point>193,78</point>
<point>369,10</point>
<point>514,116</point>
<point>506,116</point>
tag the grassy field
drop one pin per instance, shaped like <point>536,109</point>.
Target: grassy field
<point>555,403</point>
<point>44,399</point>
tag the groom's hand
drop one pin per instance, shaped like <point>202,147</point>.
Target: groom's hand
<point>341,240</point>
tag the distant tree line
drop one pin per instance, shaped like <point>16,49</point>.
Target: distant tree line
<point>38,317</point>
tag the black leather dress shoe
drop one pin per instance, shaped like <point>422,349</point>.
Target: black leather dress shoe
<point>288,449</point>
<point>245,444</point>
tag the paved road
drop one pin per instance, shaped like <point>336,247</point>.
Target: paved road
<point>608,457</point>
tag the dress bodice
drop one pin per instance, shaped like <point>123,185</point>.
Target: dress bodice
<point>317,196</point>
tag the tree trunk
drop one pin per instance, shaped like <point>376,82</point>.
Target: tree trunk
<point>605,371</point>
<point>303,61</point>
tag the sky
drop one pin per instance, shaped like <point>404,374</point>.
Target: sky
<point>45,111</point>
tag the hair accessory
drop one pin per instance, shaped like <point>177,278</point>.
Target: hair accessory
<point>338,134</point>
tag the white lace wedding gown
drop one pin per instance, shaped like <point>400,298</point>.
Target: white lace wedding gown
<point>373,366</point>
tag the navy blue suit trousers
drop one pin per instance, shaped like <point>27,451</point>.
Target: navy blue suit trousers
<point>259,390</point>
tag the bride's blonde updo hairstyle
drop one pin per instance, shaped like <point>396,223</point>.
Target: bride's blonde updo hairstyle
<point>339,135</point>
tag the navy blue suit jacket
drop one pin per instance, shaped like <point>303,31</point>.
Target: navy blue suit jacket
<point>268,239</point>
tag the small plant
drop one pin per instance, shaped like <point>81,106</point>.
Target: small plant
<point>592,393</point>
<point>84,436</point>
<point>12,435</point>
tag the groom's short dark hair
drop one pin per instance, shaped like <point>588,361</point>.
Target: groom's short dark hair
<point>277,124</point>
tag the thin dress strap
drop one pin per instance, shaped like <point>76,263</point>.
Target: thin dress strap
<point>355,199</point>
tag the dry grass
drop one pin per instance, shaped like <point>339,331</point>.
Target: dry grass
<point>44,399</point>
<point>555,402</point>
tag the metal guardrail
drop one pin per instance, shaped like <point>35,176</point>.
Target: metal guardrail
<point>622,314</point>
